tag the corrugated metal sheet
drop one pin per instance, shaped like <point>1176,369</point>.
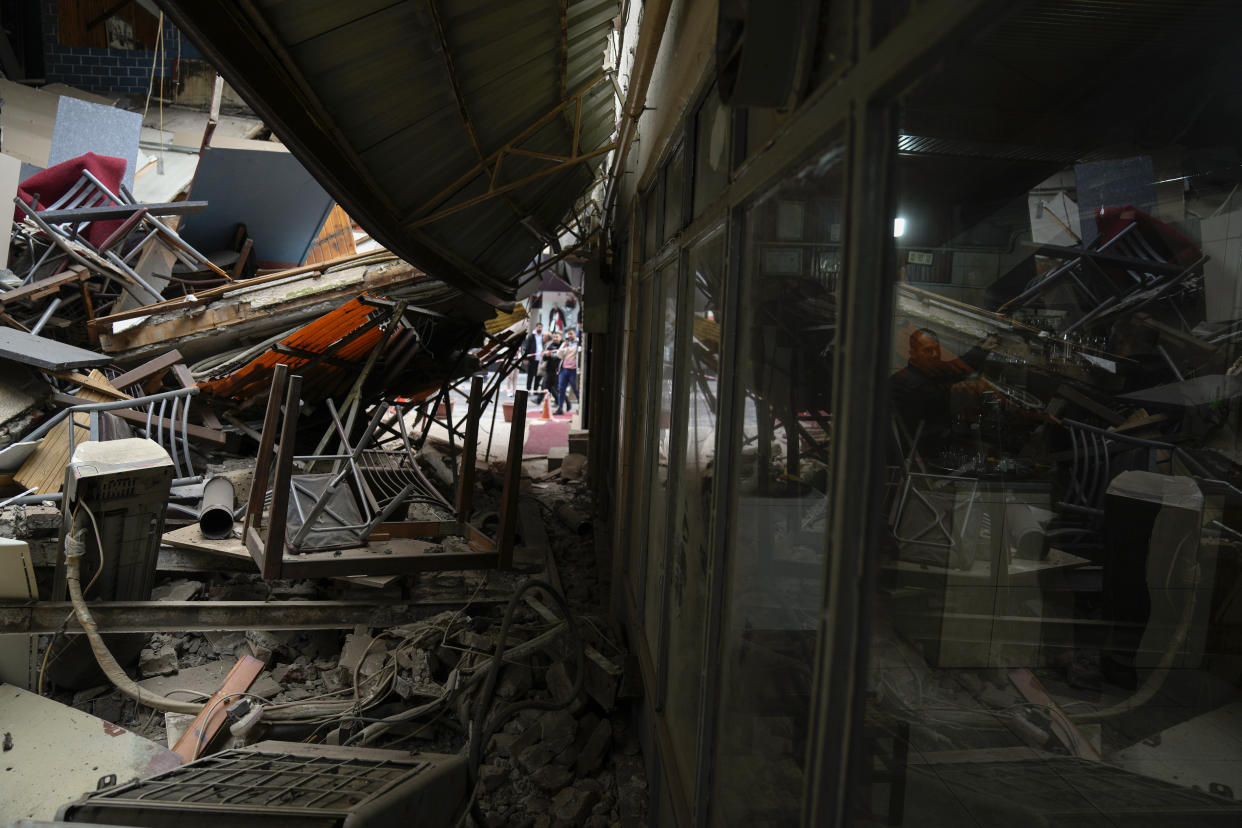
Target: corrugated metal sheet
<point>380,99</point>
<point>322,352</point>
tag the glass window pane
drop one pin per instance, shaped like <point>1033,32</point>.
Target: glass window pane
<point>775,557</point>
<point>761,126</point>
<point>664,328</point>
<point>674,193</point>
<point>690,512</point>
<point>651,222</point>
<point>639,448</point>
<point>1054,640</point>
<point>711,150</point>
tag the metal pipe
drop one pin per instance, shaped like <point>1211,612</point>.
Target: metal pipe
<point>1195,466</point>
<point>650,34</point>
<point>185,435</point>
<point>105,406</point>
<point>55,497</point>
<point>182,616</point>
<point>16,498</point>
<point>47,314</point>
<point>215,517</point>
<point>172,435</point>
<point>575,520</point>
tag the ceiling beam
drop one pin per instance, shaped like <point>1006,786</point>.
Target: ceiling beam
<point>512,185</point>
<point>490,166</point>
<point>245,49</point>
<point>447,57</point>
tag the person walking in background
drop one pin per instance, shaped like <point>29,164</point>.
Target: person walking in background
<point>551,363</point>
<point>569,370</point>
<point>531,346</point>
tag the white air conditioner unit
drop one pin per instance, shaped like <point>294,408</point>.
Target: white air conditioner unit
<point>125,484</point>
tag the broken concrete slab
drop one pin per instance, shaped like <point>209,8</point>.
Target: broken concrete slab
<point>558,729</point>
<point>572,806</point>
<point>182,589</point>
<point>161,662</point>
<point>352,654</point>
<point>573,466</point>
<point>534,758</point>
<point>552,778</point>
<point>206,679</point>
<point>225,643</point>
<point>59,754</point>
<point>556,456</point>
<point>593,753</point>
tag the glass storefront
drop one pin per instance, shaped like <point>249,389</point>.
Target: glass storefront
<point>1054,638</point>
<point>1049,623</point>
<point>775,539</point>
<point>690,539</point>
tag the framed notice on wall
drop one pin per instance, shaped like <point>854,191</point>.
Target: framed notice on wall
<point>782,261</point>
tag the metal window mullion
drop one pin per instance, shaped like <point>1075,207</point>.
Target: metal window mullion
<point>860,408</point>
<point>678,418</point>
<point>650,407</point>
<point>731,399</point>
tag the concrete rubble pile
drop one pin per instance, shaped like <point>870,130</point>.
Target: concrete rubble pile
<point>257,491</point>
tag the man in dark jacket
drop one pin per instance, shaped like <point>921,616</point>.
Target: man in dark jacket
<point>551,363</point>
<point>921,389</point>
<point>530,362</point>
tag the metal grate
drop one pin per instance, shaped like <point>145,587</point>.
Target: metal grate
<point>279,781</point>
<point>277,784</point>
<point>1064,792</point>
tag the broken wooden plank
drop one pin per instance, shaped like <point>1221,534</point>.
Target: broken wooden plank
<point>1080,399</point>
<point>206,296</point>
<point>41,352</point>
<point>44,287</point>
<point>44,469</point>
<point>186,380</point>
<point>210,435</point>
<point>87,382</point>
<point>209,720</point>
<point>148,368</point>
<point>310,298</point>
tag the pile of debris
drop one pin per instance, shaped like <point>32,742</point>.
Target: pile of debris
<point>243,483</point>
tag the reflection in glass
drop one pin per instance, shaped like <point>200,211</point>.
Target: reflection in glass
<point>690,510</point>
<point>639,449</point>
<point>774,562</point>
<point>652,236</point>
<point>674,193</point>
<point>1055,639</point>
<point>711,150</point>
<point>664,322</point>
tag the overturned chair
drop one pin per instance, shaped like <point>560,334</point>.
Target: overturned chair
<point>340,522</point>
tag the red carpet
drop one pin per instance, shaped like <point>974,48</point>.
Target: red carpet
<point>544,434</point>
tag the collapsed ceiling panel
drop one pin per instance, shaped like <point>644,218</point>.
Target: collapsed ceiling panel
<point>458,133</point>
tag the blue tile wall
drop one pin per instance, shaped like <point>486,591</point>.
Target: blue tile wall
<point>107,70</point>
